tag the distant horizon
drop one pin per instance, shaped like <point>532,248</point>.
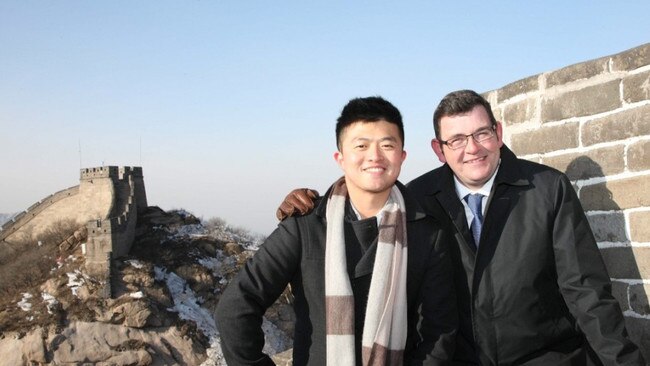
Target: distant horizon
<point>227,106</point>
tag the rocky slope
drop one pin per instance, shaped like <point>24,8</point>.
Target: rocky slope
<point>160,313</point>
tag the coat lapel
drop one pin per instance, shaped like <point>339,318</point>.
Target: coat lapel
<point>509,180</point>
<point>445,194</point>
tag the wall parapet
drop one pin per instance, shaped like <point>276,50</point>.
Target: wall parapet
<point>591,120</point>
<point>26,216</point>
<point>113,236</point>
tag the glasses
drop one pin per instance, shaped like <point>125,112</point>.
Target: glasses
<point>481,135</point>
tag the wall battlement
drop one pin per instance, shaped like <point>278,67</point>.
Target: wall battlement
<point>99,172</point>
<point>21,219</point>
<point>591,120</point>
<point>106,201</point>
<point>113,236</point>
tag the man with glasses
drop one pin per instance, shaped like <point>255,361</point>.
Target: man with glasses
<point>532,287</point>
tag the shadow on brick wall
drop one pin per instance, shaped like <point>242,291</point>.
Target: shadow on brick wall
<point>608,224</point>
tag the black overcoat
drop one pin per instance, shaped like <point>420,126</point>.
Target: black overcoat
<point>295,254</point>
<point>536,291</point>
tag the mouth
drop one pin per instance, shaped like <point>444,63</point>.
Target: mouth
<point>475,161</point>
<point>374,169</point>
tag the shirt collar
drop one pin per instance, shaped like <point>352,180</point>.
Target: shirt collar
<point>463,191</point>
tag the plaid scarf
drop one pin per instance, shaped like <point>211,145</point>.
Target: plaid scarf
<point>384,330</point>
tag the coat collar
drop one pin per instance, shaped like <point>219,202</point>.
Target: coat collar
<point>441,187</point>
<point>510,172</point>
<point>413,210</point>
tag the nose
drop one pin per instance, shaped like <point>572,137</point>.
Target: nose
<point>472,146</point>
<point>375,153</point>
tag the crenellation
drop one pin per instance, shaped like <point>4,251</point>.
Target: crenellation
<point>99,172</point>
<point>18,217</point>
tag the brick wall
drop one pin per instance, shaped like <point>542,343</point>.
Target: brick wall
<point>592,121</point>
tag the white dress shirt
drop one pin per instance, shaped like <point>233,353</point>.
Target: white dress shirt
<point>463,191</point>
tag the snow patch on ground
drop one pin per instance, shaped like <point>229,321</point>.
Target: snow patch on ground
<point>50,300</point>
<point>187,306</point>
<point>135,263</point>
<point>75,280</point>
<point>24,304</point>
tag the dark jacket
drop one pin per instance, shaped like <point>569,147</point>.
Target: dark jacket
<point>295,254</point>
<point>536,291</point>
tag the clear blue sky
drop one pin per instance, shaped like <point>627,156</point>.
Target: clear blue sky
<point>227,105</point>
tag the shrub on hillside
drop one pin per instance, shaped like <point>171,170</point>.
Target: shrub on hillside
<point>29,265</point>
<point>219,229</point>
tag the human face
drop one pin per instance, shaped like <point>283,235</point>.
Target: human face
<point>475,163</point>
<point>371,156</point>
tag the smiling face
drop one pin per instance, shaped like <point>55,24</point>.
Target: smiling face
<point>475,163</point>
<point>371,156</point>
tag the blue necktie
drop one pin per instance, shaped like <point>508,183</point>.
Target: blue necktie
<point>474,201</point>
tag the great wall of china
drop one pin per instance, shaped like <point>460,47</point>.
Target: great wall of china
<point>105,205</point>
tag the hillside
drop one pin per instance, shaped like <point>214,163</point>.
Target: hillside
<point>160,313</point>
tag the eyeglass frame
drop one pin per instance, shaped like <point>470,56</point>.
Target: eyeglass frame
<point>491,129</point>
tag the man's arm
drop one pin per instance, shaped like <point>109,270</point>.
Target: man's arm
<point>585,283</point>
<point>300,201</point>
<point>257,285</point>
<point>437,325</point>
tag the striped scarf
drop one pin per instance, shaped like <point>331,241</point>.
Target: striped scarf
<point>385,325</point>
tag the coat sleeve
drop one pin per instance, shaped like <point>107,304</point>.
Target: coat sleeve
<point>585,283</point>
<point>437,311</point>
<point>258,284</point>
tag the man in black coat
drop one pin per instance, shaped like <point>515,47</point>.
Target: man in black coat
<point>532,287</point>
<point>370,152</point>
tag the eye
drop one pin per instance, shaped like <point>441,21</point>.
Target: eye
<point>387,146</point>
<point>482,135</point>
<point>455,141</point>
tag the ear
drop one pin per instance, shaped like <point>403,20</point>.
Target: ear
<point>403,155</point>
<point>437,148</point>
<point>499,134</point>
<point>338,157</point>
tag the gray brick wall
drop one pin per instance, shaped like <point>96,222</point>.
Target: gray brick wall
<point>592,121</point>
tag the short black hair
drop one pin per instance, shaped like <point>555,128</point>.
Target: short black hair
<point>369,109</point>
<point>459,102</point>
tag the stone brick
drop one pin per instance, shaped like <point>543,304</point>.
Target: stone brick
<point>498,114</point>
<point>636,87</point>
<point>616,194</point>
<point>583,70</point>
<point>640,226</point>
<point>593,163</point>
<point>584,102</point>
<point>638,156</point>
<point>546,139</point>
<point>632,59</point>
<point>519,112</point>
<point>609,227</point>
<point>619,291</point>
<point>639,330</point>
<point>639,299</point>
<point>627,262</point>
<point>617,126</point>
<point>642,257</point>
<point>533,158</point>
<point>522,86</point>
